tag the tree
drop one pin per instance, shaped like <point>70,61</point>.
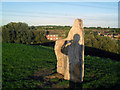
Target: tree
<point>24,37</point>
<point>117,30</point>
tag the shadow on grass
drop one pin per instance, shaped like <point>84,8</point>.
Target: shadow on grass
<point>40,76</point>
<point>101,53</point>
<point>48,44</point>
<point>92,51</point>
<point>74,85</point>
<point>46,82</point>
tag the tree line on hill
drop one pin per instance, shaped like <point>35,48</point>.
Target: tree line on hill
<point>117,30</point>
<point>22,33</point>
<point>102,43</point>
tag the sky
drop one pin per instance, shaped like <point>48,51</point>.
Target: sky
<point>60,0</point>
<point>103,14</point>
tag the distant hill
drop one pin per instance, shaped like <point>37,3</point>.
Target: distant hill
<point>34,66</point>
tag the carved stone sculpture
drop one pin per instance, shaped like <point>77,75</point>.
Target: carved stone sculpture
<point>70,53</point>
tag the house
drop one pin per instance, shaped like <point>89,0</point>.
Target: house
<point>100,34</point>
<point>91,32</point>
<point>116,35</point>
<point>55,34</point>
<point>105,35</point>
<point>107,31</point>
<point>110,35</point>
<point>52,37</point>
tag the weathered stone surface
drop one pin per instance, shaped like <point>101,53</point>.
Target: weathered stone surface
<point>70,53</point>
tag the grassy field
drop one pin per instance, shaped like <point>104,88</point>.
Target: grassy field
<point>26,66</point>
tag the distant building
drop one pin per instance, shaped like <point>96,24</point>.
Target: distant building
<point>107,31</point>
<point>52,37</point>
<point>105,35</point>
<point>91,32</point>
<point>100,34</point>
<point>48,27</point>
<point>116,35</point>
<point>109,35</point>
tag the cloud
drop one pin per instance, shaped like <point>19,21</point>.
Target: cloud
<point>103,20</point>
<point>63,17</point>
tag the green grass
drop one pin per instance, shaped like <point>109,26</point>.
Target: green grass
<point>101,73</point>
<point>20,62</point>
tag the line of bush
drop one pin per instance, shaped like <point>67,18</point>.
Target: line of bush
<point>102,43</point>
<point>22,33</point>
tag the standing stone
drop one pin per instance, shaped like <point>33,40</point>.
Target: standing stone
<point>70,53</point>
